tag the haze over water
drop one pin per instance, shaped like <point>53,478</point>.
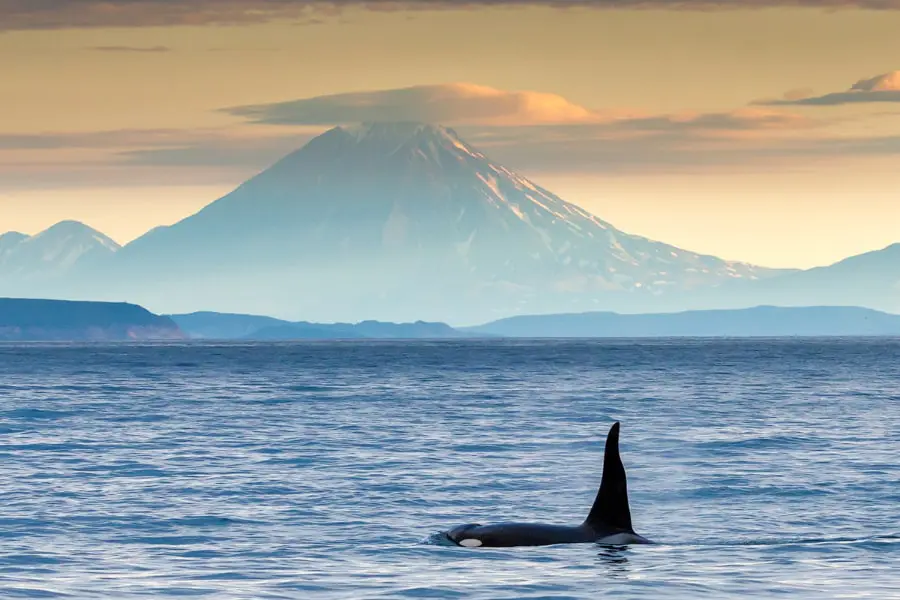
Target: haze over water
<point>763,468</point>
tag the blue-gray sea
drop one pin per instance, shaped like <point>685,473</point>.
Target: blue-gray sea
<point>763,468</point>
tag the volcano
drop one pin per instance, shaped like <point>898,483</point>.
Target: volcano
<point>401,221</point>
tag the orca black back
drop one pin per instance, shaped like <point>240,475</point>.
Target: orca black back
<point>608,522</point>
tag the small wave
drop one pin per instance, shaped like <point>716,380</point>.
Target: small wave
<point>771,442</point>
<point>783,542</point>
<point>148,418</point>
<point>275,401</point>
<point>311,388</point>
<point>166,540</point>
<point>438,538</point>
<point>30,592</point>
<point>5,430</point>
<point>37,414</point>
<point>31,559</point>
<point>209,521</point>
<point>225,576</point>
<point>291,462</point>
<point>60,447</point>
<point>135,471</point>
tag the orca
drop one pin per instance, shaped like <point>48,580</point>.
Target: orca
<point>608,523</point>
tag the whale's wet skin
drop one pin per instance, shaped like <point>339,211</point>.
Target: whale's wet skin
<point>609,521</point>
<point>761,469</point>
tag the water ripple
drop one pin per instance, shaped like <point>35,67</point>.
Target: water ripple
<point>762,468</point>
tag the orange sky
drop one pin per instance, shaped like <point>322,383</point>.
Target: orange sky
<point>730,132</point>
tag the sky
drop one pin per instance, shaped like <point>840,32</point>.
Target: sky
<point>754,130</point>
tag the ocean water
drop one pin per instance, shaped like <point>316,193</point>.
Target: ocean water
<point>762,468</point>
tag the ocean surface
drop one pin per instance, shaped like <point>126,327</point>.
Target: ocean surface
<point>762,468</point>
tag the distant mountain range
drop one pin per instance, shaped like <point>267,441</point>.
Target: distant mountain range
<point>762,321</point>
<point>400,221</point>
<point>869,280</point>
<point>58,320</point>
<point>64,248</point>
<point>25,319</point>
<point>55,320</point>
<point>218,326</point>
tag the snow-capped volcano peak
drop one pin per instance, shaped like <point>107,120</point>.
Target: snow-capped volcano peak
<point>57,249</point>
<point>411,139</point>
<point>408,214</point>
<point>397,131</point>
<point>70,233</point>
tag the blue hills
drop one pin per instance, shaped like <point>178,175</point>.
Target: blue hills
<point>55,320</point>
<point>762,321</point>
<point>60,320</point>
<point>223,326</point>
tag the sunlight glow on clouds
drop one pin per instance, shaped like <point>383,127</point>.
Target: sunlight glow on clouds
<point>881,88</point>
<point>471,104</point>
<point>527,129</point>
<point>448,103</point>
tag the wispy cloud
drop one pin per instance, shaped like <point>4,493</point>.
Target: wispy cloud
<point>881,88</point>
<point>446,103</point>
<point>531,130</point>
<point>126,49</point>
<point>141,156</point>
<point>197,158</point>
<point>56,14</point>
<point>736,121</point>
<point>489,109</point>
<point>666,151</point>
<point>466,103</point>
<point>117,138</point>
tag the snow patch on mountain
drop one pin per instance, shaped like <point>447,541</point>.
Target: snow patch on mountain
<point>56,250</point>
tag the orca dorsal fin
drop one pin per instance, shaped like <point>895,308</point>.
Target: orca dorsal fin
<point>610,511</point>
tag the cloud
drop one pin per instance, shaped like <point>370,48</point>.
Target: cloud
<point>134,157</point>
<point>640,143</point>
<point>641,147</point>
<point>57,14</point>
<point>881,88</point>
<point>118,138</point>
<point>536,144</point>
<point>444,103</point>
<point>140,156</point>
<point>466,103</point>
<point>138,49</point>
<point>531,130</point>
<point>736,121</point>
<point>798,94</point>
<point>242,155</point>
<point>660,143</point>
<point>534,152</point>
<point>886,82</point>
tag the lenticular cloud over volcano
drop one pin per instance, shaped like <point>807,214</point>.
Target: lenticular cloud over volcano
<point>451,103</point>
